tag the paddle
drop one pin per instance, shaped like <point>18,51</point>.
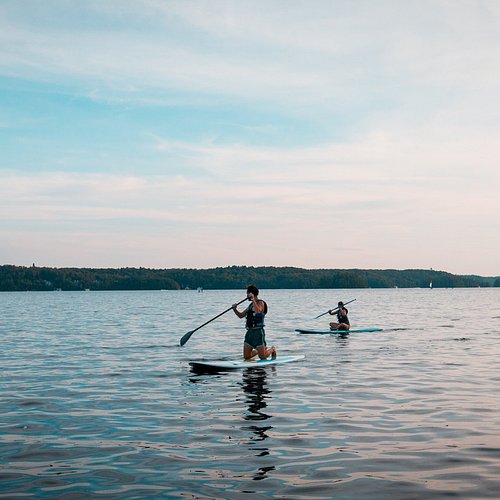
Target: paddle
<point>187,336</point>
<point>333,310</point>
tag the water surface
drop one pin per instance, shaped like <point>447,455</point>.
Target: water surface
<point>97,398</point>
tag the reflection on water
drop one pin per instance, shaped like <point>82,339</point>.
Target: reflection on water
<point>342,339</point>
<point>255,385</point>
<point>257,392</point>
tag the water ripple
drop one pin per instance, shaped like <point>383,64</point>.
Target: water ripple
<point>98,400</point>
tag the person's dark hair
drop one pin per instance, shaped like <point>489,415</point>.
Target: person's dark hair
<point>253,289</point>
<point>340,304</point>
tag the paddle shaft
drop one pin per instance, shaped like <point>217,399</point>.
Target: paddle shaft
<point>333,310</point>
<point>187,336</point>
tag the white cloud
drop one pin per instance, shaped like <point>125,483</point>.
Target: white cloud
<point>327,55</point>
<point>359,192</point>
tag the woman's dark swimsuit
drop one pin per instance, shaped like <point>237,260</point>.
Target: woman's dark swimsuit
<point>255,336</point>
<point>342,318</point>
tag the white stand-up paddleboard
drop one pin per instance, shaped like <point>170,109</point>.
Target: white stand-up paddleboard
<point>234,365</point>
<point>339,332</point>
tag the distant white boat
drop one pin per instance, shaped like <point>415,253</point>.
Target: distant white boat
<point>430,285</point>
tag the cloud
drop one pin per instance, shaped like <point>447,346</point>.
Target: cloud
<point>381,175</point>
<point>145,61</point>
<point>294,221</point>
<point>324,55</point>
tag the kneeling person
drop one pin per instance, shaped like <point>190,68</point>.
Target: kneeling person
<point>255,338</point>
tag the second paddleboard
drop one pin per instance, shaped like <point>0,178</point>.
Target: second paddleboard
<point>338,332</point>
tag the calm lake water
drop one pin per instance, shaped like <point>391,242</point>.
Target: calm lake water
<point>97,398</point>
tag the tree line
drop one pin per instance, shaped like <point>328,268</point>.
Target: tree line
<point>19,278</point>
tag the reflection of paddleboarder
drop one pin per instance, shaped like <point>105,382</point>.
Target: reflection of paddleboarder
<point>342,322</point>
<point>257,392</point>
<point>255,338</point>
<point>256,389</point>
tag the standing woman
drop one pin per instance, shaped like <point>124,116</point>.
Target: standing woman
<point>255,338</point>
<point>342,319</point>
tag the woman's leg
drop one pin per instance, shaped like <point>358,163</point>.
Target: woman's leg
<point>264,352</point>
<point>249,352</point>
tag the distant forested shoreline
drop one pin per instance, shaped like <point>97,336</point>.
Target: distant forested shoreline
<point>19,278</point>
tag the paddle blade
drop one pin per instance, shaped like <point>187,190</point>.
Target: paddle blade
<point>186,337</point>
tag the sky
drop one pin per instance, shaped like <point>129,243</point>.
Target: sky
<point>198,134</point>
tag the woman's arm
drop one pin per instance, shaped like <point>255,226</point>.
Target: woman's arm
<point>241,314</point>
